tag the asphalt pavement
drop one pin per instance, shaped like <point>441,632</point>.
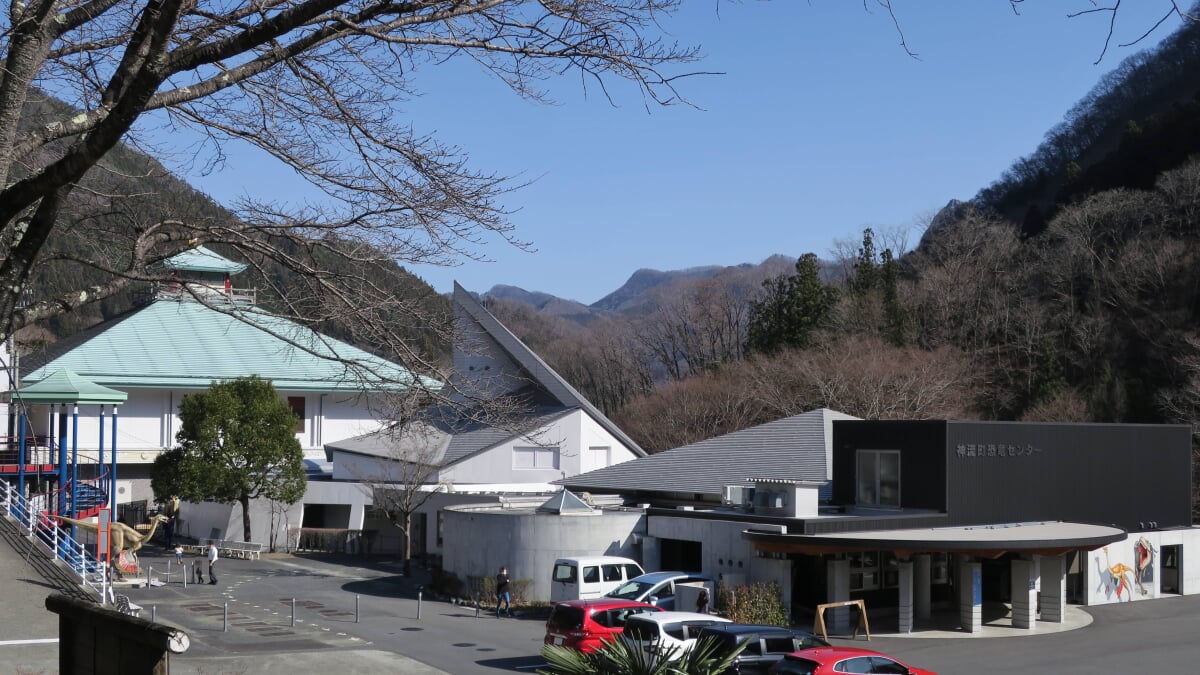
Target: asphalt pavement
<point>363,616</point>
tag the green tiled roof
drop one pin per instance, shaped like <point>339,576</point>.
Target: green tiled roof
<point>187,345</point>
<point>64,386</point>
<point>200,259</point>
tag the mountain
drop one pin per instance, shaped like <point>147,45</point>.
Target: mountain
<point>647,289</point>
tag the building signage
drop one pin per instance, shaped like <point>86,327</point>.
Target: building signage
<point>995,450</point>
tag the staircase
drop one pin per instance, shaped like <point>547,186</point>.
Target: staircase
<point>69,555</point>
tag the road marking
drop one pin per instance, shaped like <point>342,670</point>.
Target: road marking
<point>38,641</point>
<point>538,665</point>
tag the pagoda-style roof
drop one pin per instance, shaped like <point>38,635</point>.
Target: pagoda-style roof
<point>188,345</point>
<point>200,259</point>
<point>66,386</point>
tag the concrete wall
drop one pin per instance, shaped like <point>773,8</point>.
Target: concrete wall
<point>479,540</point>
<point>1102,584</point>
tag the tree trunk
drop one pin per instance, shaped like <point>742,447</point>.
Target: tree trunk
<point>245,518</point>
<point>407,543</point>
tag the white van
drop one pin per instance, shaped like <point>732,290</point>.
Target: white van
<point>590,577</point>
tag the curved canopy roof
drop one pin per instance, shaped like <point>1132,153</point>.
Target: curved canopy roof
<point>985,541</point>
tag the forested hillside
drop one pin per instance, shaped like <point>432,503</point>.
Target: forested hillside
<point>1069,290</point>
<point>130,190</point>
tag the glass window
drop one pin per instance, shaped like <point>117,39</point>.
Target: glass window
<point>779,644</point>
<point>860,664</point>
<point>565,617</point>
<point>602,619</point>
<point>632,571</point>
<point>564,572</point>
<point>795,666</point>
<point>535,458</point>
<point>612,572</point>
<point>754,648</point>
<point>591,574</point>
<point>296,403</point>
<point>880,664</point>
<point>878,478</point>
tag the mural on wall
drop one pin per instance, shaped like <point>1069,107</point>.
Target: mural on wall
<point>1144,561</point>
<point>1115,578</point>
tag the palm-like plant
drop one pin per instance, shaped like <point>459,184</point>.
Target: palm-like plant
<point>706,657</point>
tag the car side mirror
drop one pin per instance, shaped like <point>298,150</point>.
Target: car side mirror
<point>653,600</point>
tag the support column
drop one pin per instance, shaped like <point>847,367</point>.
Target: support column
<point>1024,593</point>
<point>837,583</point>
<point>923,578</point>
<point>112,473</point>
<point>74,463</point>
<point>905,607</point>
<point>970,596</point>
<point>1054,588</point>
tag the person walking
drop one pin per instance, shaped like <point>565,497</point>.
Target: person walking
<point>502,593</point>
<point>179,554</point>
<point>702,602</point>
<point>212,563</point>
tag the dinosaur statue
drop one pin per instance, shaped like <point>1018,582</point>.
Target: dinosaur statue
<point>1119,574</point>
<point>120,536</point>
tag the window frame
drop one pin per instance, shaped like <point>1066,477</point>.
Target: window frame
<point>536,452</point>
<point>877,482</point>
<point>300,410</point>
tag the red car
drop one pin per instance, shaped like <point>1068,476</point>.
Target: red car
<point>585,624</point>
<point>830,660</point>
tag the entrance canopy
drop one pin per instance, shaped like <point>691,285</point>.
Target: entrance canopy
<point>984,541</point>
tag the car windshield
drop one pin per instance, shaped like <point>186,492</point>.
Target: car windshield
<point>565,617</point>
<point>630,590</point>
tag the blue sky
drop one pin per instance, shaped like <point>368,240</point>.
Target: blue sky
<point>819,126</point>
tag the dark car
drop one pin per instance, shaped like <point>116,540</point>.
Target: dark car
<point>837,660</point>
<point>764,645</point>
<point>586,624</point>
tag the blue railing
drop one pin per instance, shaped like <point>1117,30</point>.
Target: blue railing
<point>43,530</point>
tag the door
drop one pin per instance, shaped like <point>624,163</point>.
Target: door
<point>1172,563</point>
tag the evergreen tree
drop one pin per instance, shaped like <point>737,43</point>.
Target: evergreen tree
<point>236,442</point>
<point>791,309</point>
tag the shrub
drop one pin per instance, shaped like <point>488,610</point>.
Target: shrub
<point>759,603</point>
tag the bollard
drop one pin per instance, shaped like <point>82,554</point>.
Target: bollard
<point>476,606</point>
<point>153,613</point>
<point>183,570</point>
<point>419,593</point>
<point>293,611</point>
<point>149,571</point>
<point>225,619</point>
<point>356,608</point>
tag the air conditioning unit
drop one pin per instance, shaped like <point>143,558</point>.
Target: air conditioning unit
<point>732,495</point>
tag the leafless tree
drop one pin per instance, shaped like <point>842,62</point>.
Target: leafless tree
<point>317,84</point>
<point>406,477</point>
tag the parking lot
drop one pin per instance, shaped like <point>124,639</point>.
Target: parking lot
<point>365,617</point>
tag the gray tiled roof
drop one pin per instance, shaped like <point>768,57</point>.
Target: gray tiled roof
<point>793,448</point>
<point>454,442</point>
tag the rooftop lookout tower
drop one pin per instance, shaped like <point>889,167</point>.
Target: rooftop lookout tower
<point>202,273</point>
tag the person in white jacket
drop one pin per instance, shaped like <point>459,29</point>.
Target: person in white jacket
<point>212,563</point>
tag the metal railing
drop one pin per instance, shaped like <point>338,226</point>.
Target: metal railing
<point>41,529</point>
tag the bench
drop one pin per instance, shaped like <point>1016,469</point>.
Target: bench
<point>241,549</point>
<point>124,606</point>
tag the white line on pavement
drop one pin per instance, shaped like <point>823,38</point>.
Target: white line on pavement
<point>40,641</point>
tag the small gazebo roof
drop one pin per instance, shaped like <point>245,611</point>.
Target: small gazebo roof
<point>65,386</point>
<point>200,259</point>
